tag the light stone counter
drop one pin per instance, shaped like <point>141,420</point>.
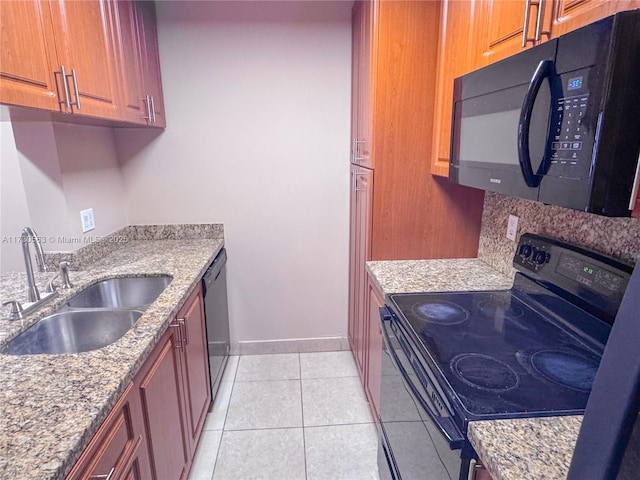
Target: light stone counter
<point>52,405</point>
<point>527,448</point>
<point>521,449</point>
<point>460,274</point>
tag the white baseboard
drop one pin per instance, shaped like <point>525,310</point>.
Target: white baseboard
<point>298,345</point>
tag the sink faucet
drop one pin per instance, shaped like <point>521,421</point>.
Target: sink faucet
<point>28,235</point>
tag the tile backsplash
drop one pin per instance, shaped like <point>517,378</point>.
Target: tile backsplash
<point>618,237</point>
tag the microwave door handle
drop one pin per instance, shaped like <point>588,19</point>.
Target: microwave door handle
<point>544,70</point>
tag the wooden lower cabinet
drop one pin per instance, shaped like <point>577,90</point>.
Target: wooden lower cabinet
<point>119,449</point>
<point>195,375</point>
<point>374,348</point>
<point>175,392</point>
<point>153,431</point>
<point>160,387</point>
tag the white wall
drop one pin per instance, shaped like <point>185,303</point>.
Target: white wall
<point>257,98</point>
<point>49,172</point>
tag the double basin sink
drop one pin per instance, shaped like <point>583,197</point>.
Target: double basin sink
<point>93,318</point>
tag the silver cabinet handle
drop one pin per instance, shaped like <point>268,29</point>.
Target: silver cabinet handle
<point>539,4</point>
<point>105,476</point>
<point>356,158</point>
<point>178,328</point>
<point>65,86</point>
<point>355,181</point>
<point>539,19</point>
<point>75,87</point>
<point>152,109</point>
<point>147,105</point>
<point>185,331</point>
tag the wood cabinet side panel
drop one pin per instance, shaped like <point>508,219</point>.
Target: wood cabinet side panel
<point>415,215</point>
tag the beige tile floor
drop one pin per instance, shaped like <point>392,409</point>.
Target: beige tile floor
<point>289,417</point>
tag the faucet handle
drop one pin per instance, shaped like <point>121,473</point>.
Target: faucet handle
<point>51,287</point>
<point>64,275</point>
<point>16,309</point>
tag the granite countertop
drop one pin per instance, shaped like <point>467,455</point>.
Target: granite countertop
<point>526,448</point>
<point>519,449</point>
<point>52,405</point>
<point>408,276</point>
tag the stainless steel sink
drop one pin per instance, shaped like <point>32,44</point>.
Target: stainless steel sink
<point>73,331</point>
<point>123,292</point>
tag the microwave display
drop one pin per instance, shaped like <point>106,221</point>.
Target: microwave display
<point>574,83</point>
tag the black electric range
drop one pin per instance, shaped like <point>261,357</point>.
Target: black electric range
<point>455,357</point>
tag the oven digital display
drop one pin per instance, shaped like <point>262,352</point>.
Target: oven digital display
<point>590,275</point>
<point>574,83</point>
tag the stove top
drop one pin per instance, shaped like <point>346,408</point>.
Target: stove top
<point>501,353</point>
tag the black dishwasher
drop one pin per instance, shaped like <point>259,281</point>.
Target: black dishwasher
<point>216,310</point>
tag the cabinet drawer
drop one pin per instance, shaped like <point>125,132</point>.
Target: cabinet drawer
<point>111,448</point>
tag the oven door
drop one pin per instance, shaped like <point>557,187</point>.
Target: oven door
<point>412,445</point>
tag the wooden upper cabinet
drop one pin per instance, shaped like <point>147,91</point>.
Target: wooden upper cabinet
<point>454,59</point>
<point>92,57</point>
<point>27,57</point>
<point>128,55</point>
<point>572,14</point>
<point>150,55</point>
<point>363,12</point>
<point>83,40</point>
<point>504,24</point>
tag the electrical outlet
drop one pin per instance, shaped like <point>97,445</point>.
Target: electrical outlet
<point>512,227</point>
<point>88,223</point>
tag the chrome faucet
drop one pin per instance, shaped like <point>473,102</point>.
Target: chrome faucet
<point>28,235</point>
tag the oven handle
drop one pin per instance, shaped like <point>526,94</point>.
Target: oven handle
<point>449,429</point>
<point>544,70</point>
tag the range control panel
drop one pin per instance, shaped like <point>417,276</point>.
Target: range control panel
<point>584,273</point>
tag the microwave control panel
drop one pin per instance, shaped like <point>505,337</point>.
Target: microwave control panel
<point>567,148</point>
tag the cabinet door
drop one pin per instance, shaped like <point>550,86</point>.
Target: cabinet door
<point>119,446</point>
<point>150,54</point>
<point>196,379</point>
<point>160,389</point>
<point>374,362</point>
<point>84,42</point>
<point>572,14</point>
<point>503,24</point>
<point>127,53</point>
<point>362,47</point>
<point>28,56</point>
<point>454,60</point>
<point>361,197</point>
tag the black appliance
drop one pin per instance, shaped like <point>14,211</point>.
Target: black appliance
<point>608,445</point>
<point>557,123</point>
<point>216,311</point>
<point>530,351</point>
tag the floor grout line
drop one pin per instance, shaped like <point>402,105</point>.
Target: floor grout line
<point>304,443</point>
<point>303,427</point>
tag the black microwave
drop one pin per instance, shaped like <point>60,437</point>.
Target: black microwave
<point>558,123</point>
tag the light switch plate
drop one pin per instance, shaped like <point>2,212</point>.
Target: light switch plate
<point>512,227</point>
<point>88,223</point>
